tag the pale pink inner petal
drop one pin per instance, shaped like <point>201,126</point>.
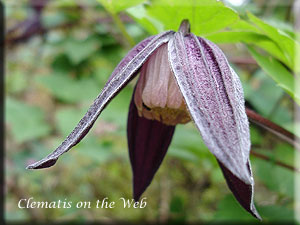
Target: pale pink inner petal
<point>157,94</point>
<point>175,99</point>
<point>139,88</point>
<point>156,87</point>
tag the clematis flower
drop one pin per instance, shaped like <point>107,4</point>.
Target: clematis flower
<point>182,78</point>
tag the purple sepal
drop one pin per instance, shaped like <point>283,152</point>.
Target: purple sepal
<point>214,97</point>
<point>209,96</point>
<point>148,142</point>
<point>122,74</point>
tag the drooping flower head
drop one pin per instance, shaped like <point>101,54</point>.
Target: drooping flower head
<point>182,78</point>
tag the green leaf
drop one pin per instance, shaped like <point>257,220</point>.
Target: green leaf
<point>274,177</point>
<point>277,72</point>
<point>26,122</point>
<point>62,64</point>
<point>68,89</point>
<point>259,90</point>
<point>283,25</point>
<point>236,36</point>
<point>230,210</point>
<point>263,90</point>
<point>276,214</point>
<point>242,25</point>
<point>117,5</point>
<point>285,153</point>
<point>117,110</point>
<point>255,134</point>
<point>183,154</point>
<point>78,50</point>
<point>273,49</point>
<point>95,150</point>
<point>187,144</point>
<point>249,37</point>
<point>140,14</point>
<point>67,118</point>
<point>297,65</point>
<point>286,43</point>
<point>205,17</point>
<point>284,117</point>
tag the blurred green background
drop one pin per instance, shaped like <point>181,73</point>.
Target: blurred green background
<point>59,55</point>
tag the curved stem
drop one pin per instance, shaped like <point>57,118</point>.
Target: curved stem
<point>279,163</point>
<point>273,128</point>
<point>122,28</point>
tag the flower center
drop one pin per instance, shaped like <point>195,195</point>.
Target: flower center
<point>157,95</point>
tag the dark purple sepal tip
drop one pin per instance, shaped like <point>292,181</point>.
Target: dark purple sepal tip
<point>243,192</point>
<point>41,165</point>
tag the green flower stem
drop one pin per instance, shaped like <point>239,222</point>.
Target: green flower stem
<point>122,28</point>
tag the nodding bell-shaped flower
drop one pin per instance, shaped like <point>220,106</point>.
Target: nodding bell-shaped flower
<point>182,77</point>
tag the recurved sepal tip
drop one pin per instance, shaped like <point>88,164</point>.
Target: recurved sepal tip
<point>44,163</point>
